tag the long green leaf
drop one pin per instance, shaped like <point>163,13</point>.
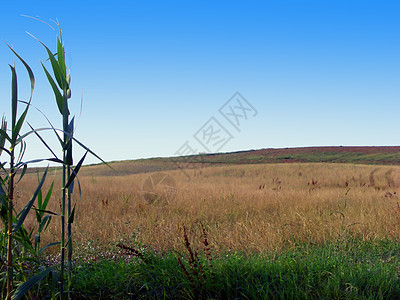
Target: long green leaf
<point>60,77</point>
<point>46,211</point>
<point>25,287</point>
<point>57,94</point>
<point>75,171</point>
<point>18,126</point>
<point>91,152</point>
<point>24,169</point>
<point>75,140</point>
<point>61,56</point>
<point>28,206</point>
<point>43,141</point>
<point>38,217</point>
<point>2,137</point>
<point>30,73</point>
<point>39,196</point>
<point>21,164</point>
<point>4,134</point>
<point>21,151</point>
<point>72,215</point>
<point>37,240</point>
<point>14,99</point>
<point>59,139</point>
<point>48,196</point>
<point>6,150</point>
<point>22,137</point>
<point>47,246</point>
<point>44,223</point>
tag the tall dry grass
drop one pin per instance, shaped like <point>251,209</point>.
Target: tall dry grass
<point>243,207</point>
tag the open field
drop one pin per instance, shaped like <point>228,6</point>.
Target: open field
<point>292,230</point>
<point>251,208</point>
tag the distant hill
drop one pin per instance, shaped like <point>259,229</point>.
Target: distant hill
<point>385,155</point>
<point>376,155</point>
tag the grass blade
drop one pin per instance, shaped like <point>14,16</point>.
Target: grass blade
<point>14,99</point>
<point>42,140</point>
<point>25,287</point>
<point>51,125</point>
<point>44,223</point>
<point>61,56</point>
<point>60,77</point>
<point>18,126</point>
<point>3,137</point>
<point>75,171</point>
<point>21,164</point>
<point>46,211</point>
<point>29,205</point>
<point>48,196</point>
<point>57,94</point>
<point>30,73</point>
<point>23,173</point>
<point>71,216</point>
<point>47,246</point>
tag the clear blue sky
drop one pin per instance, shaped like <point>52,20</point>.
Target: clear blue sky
<point>152,73</point>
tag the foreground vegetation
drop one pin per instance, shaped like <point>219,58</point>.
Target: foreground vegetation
<point>348,269</point>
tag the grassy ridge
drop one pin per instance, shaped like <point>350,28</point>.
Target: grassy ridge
<point>385,155</point>
<point>389,155</point>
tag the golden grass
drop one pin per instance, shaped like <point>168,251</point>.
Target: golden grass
<point>243,207</point>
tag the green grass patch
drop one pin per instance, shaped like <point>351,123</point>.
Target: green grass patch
<point>342,270</point>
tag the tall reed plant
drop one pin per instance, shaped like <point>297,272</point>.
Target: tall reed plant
<point>21,269</point>
<point>16,241</point>
<point>60,83</point>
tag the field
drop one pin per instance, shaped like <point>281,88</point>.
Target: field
<point>244,207</point>
<point>247,210</point>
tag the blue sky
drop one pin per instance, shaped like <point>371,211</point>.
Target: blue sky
<point>153,73</point>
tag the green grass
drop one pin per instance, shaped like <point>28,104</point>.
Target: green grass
<point>348,269</point>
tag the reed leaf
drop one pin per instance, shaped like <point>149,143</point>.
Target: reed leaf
<point>51,159</point>
<point>2,136</point>
<point>42,140</point>
<point>48,196</point>
<point>14,98</point>
<point>30,73</point>
<point>61,56</point>
<point>46,211</point>
<point>21,151</point>
<point>44,223</point>
<point>24,169</point>
<point>47,246</point>
<point>26,286</point>
<point>72,215</point>
<point>57,94</point>
<point>29,205</point>
<point>58,73</point>
<point>18,126</point>
<point>51,125</point>
<point>75,171</point>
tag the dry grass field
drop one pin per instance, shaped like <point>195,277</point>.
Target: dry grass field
<point>243,207</point>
